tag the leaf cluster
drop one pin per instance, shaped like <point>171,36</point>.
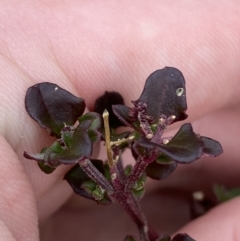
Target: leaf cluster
<point>161,103</point>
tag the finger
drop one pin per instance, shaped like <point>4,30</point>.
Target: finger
<point>22,133</point>
<point>221,223</point>
<point>103,60</point>
<point>17,202</point>
<point>207,56</point>
<point>116,46</point>
<point>5,234</point>
<point>165,212</point>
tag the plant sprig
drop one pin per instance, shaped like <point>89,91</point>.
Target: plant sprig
<point>162,103</point>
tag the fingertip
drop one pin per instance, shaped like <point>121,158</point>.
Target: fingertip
<point>221,223</point>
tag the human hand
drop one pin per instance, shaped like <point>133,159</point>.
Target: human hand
<point>88,48</point>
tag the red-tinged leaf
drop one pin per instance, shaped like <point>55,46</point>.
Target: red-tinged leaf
<point>211,147</point>
<point>165,94</point>
<point>184,147</point>
<point>159,171</point>
<point>182,237</point>
<point>53,107</point>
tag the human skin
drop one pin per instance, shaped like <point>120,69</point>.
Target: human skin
<point>88,47</point>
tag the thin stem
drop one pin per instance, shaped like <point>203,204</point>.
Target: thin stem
<point>136,173</point>
<point>162,125</point>
<point>120,141</point>
<point>96,176</point>
<point>132,207</point>
<point>143,227</point>
<point>138,170</point>
<point>107,137</point>
<point>126,199</point>
<point>130,204</point>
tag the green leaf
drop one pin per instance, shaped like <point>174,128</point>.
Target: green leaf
<point>127,170</point>
<point>67,136</point>
<point>90,120</point>
<point>45,168</point>
<point>55,149</point>
<point>85,186</point>
<point>53,107</point>
<point>138,189</point>
<point>83,139</point>
<point>89,186</point>
<point>45,159</point>
<point>223,194</point>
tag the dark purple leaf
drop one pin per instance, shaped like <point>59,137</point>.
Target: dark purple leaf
<point>159,171</point>
<point>122,112</point>
<point>106,101</point>
<point>142,147</point>
<point>165,94</point>
<point>184,147</point>
<point>83,185</point>
<point>78,143</point>
<point>211,147</point>
<point>53,107</point>
<point>182,237</point>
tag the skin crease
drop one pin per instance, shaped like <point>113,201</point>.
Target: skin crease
<point>89,47</point>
